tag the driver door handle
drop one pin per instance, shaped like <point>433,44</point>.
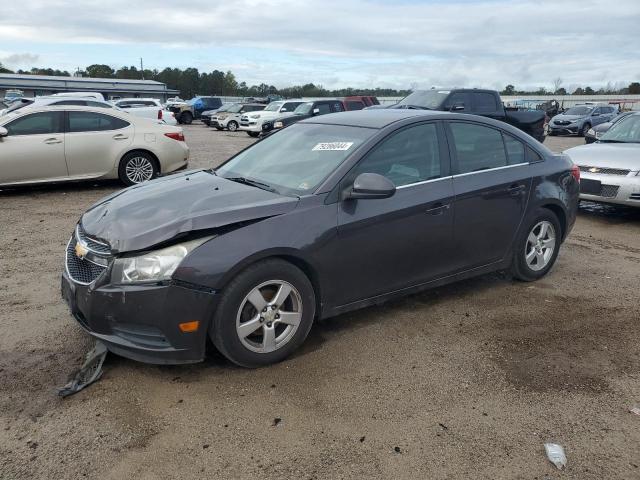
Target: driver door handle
<point>516,189</point>
<point>437,209</point>
<point>120,136</point>
<point>52,140</point>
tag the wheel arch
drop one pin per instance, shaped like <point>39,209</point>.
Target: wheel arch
<point>293,256</point>
<point>560,214</point>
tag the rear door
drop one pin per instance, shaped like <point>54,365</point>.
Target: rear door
<point>491,183</point>
<point>94,142</point>
<point>34,149</point>
<point>389,244</point>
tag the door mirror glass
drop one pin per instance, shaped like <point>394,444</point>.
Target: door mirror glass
<point>371,185</point>
<point>3,132</point>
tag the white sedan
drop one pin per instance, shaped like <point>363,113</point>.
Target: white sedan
<point>56,144</point>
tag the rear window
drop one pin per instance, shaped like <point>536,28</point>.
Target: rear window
<point>485,102</point>
<point>94,122</point>
<point>355,105</point>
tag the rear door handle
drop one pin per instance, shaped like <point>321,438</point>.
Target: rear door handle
<point>120,136</point>
<point>52,140</point>
<point>437,209</point>
<point>516,189</point>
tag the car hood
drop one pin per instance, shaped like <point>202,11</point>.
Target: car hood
<point>145,215</point>
<point>570,118</point>
<point>611,155</point>
<point>602,127</point>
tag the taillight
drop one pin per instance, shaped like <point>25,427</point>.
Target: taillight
<point>176,136</point>
<point>159,114</point>
<point>575,171</point>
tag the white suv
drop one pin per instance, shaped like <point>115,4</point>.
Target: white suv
<point>252,122</point>
<point>230,117</point>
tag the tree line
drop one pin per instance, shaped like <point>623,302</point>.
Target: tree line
<point>191,82</point>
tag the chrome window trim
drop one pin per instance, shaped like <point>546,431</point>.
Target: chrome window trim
<point>423,182</point>
<point>491,169</point>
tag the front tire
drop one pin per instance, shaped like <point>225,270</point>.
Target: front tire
<point>537,246</point>
<point>232,126</point>
<point>186,118</point>
<point>137,167</point>
<point>264,314</point>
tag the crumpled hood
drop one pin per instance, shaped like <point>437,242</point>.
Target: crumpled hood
<point>144,215</point>
<point>610,155</point>
<point>569,118</point>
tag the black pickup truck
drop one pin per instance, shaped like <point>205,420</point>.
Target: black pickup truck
<point>486,103</point>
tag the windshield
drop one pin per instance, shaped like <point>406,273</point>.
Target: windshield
<point>297,159</point>
<point>303,108</point>
<point>431,99</point>
<point>578,111</point>
<point>626,130</point>
<point>273,107</point>
<point>235,108</point>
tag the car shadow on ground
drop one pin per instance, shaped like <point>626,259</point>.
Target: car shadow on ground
<point>613,214</point>
<point>63,187</point>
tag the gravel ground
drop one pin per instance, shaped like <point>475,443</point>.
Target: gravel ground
<point>465,381</point>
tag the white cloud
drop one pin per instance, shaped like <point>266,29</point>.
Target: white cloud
<point>360,42</point>
<point>18,59</point>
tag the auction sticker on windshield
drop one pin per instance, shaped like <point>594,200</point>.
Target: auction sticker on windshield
<point>333,146</point>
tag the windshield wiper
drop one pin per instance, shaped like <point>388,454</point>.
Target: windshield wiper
<point>253,183</point>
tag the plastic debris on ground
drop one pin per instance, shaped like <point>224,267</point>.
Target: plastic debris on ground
<point>555,454</point>
<point>90,371</point>
<point>635,410</point>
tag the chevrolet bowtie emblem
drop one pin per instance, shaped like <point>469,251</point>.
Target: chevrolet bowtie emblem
<point>81,251</point>
<point>594,170</point>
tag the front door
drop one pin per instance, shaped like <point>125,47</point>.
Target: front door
<point>94,142</point>
<point>491,184</point>
<point>34,149</point>
<point>388,244</point>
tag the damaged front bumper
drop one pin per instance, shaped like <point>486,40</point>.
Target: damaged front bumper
<point>141,322</point>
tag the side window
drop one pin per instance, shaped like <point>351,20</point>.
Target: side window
<point>515,150</point>
<point>36,124</point>
<point>98,104</point>
<point>323,107</point>
<point>94,122</point>
<point>337,107</point>
<point>460,99</point>
<point>485,103</point>
<point>533,156</point>
<point>355,105</point>
<point>408,156</point>
<point>289,107</point>
<point>477,147</point>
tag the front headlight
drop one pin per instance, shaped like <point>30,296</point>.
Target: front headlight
<point>591,132</point>
<point>153,266</point>
<point>255,116</point>
<point>278,125</point>
<point>222,116</point>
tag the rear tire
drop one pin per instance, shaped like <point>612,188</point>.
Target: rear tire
<point>186,118</point>
<point>249,326</point>
<point>537,246</point>
<point>219,129</point>
<point>137,167</point>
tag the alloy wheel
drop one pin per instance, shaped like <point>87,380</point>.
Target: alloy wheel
<point>269,316</point>
<point>139,169</point>
<point>541,244</point>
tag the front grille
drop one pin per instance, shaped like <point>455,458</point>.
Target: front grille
<point>79,269</point>
<point>609,191</point>
<point>561,122</point>
<point>91,243</point>
<point>605,171</point>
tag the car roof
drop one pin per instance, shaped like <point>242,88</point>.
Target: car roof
<point>378,118</point>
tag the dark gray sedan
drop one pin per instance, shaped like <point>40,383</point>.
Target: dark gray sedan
<point>331,214</point>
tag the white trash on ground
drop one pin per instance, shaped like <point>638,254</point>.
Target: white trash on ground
<point>555,454</point>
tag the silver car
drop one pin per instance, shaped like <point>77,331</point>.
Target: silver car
<point>579,119</point>
<point>610,168</point>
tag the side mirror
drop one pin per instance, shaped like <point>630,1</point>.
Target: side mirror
<point>283,109</point>
<point>371,185</point>
<point>3,132</point>
<point>316,111</point>
<point>596,114</point>
<point>457,107</point>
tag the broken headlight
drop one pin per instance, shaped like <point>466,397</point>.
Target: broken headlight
<point>153,266</point>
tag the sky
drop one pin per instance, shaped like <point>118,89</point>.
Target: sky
<point>338,43</point>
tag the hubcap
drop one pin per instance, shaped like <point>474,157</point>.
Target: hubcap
<point>269,316</point>
<point>540,246</point>
<point>139,169</point>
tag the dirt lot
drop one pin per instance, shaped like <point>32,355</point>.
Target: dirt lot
<point>466,381</point>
